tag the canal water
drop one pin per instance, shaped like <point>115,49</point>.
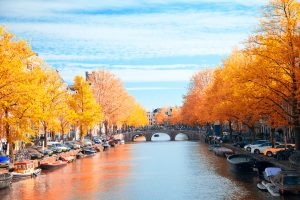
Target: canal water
<point>142,171</point>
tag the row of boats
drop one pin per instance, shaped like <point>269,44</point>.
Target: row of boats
<point>32,168</point>
<point>273,179</point>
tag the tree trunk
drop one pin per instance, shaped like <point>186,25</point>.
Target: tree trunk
<point>63,134</point>
<point>230,131</point>
<point>273,137</point>
<point>100,129</point>
<point>90,132</point>
<point>252,131</point>
<point>106,128</point>
<point>45,136</point>
<point>8,137</point>
<point>52,134</point>
<point>297,136</point>
<point>81,133</point>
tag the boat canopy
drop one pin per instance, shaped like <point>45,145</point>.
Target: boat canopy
<point>272,171</point>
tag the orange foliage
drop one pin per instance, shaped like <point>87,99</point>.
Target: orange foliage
<point>260,82</point>
<point>118,106</point>
<point>192,109</point>
<point>161,117</point>
<point>175,117</point>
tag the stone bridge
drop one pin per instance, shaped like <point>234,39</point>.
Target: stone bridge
<point>192,135</point>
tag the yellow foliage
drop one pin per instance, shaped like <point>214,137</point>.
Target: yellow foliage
<point>88,112</point>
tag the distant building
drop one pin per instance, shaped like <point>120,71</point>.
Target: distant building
<point>151,118</point>
<point>151,115</point>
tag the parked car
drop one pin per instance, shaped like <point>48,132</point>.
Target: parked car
<point>34,154</point>
<point>248,147</point>
<point>72,145</point>
<point>60,146</point>
<point>97,140</point>
<point>261,148</point>
<point>87,142</point>
<point>46,151</point>
<point>284,154</point>
<point>272,151</point>
<point>54,149</point>
<point>241,144</point>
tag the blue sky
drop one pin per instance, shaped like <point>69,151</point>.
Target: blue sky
<point>153,46</point>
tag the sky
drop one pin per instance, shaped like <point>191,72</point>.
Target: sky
<point>154,46</point>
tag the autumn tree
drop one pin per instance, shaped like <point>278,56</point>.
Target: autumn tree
<point>192,112</point>
<point>161,116</point>
<point>17,85</point>
<point>67,116</point>
<point>52,101</point>
<point>175,118</point>
<point>88,112</point>
<point>137,116</point>
<point>276,69</point>
<point>111,95</point>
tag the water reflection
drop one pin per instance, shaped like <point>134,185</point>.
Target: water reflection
<point>147,170</point>
<point>181,137</point>
<point>160,137</point>
<point>82,179</point>
<point>139,138</point>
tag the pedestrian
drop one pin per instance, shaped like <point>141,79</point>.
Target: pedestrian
<point>4,147</point>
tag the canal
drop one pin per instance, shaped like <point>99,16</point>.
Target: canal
<point>141,171</point>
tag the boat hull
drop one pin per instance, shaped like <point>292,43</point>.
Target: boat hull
<point>52,166</point>
<point>88,151</point>
<point>222,151</point>
<point>240,162</point>
<point>5,180</point>
<point>26,175</point>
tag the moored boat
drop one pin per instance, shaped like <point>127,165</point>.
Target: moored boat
<point>261,186</point>
<point>89,151</point>
<point>53,165</point>
<point>112,143</point>
<point>5,180</point>
<point>80,155</point>
<point>105,146</point>
<point>260,166</point>
<point>213,146</point>
<point>68,158</point>
<point>273,190</point>
<point>25,169</point>
<point>287,181</point>
<point>270,172</point>
<point>241,162</point>
<point>4,161</point>
<point>222,151</point>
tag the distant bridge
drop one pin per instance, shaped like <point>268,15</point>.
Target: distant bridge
<point>191,135</point>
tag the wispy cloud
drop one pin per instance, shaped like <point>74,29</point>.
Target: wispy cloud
<point>140,41</point>
<point>182,28</point>
<point>135,75</point>
<point>152,88</point>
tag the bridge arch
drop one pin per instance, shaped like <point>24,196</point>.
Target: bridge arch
<point>138,134</point>
<point>191,135</point>
<point>184,136</point>
<point>160,135</point>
